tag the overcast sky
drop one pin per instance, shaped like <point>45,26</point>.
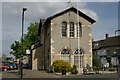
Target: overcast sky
<point>105,14</point>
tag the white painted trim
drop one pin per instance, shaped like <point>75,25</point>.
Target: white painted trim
<point>90,44</point>
<point>90,34</point>
<point>83,25</point>
<point>89,26</point>
<point>90,51</point>
<point>52,41</point>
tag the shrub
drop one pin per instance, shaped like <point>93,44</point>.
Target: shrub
<point>74,70</point>
<point>96,61</point>
<point>58,64</point>
<point>110,65</point>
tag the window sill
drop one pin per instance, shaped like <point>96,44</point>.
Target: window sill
<point>79,37</point>
<point>71,37</point>
<point>64,37</point>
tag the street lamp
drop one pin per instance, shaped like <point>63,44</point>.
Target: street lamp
<point>116,49</point>
<point>21,70</point>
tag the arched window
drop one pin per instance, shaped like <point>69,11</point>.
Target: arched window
<point>79,58</point>
<point>71,29</point>
<point>65,55</point>
<point>79,30</point>
<point>79,51</point>
<point>64,29</point>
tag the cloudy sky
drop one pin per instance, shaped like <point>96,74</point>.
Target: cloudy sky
<point>105,14</point>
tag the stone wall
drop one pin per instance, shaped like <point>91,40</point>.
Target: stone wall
<point>58,42</point>
<point>37,58</point>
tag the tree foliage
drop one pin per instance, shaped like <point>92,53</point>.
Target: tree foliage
<point>96,61</point>
<point>58,64</point>
<point>18,48</point>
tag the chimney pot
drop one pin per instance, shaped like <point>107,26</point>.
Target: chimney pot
<point>106,36</point>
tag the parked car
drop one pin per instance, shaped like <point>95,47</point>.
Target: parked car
<point>15,66</point>
<point>10,66</point>
<point>4,68</point>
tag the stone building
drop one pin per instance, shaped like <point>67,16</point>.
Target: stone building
<point>64,36</point>
<point>110,47</point>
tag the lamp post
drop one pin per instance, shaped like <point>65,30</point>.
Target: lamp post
<point>116,49</point>
<point>21,58</point>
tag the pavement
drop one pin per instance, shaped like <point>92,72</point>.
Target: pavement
<point>28,74</point>
<point>44,74</point>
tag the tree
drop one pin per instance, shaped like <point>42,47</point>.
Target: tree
<point>96,61</point>
<point>18,48</point>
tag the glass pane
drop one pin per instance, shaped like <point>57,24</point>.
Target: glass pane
<point>65,55</point>
<point>71,29</point>
<point>64,29</point>
<point>79,51</point>
<point>79,30</point>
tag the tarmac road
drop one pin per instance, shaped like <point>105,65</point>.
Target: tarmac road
<point>43,74</point>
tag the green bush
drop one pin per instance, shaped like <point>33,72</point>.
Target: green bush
<point>96,61</point>
<point>74,70</point>
<point>110,65</point>
<point>68,66</point>
<point>58,64</point>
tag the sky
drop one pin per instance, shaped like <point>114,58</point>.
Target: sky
<point>105,14</point>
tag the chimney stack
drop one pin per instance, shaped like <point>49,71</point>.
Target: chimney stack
<point>106,36</point>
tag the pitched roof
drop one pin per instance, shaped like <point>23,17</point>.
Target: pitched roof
<point>74,10</point>
<point>109,42</point>
<point>44,21</point>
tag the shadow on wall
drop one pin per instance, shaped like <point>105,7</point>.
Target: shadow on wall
<point>37,58</point>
